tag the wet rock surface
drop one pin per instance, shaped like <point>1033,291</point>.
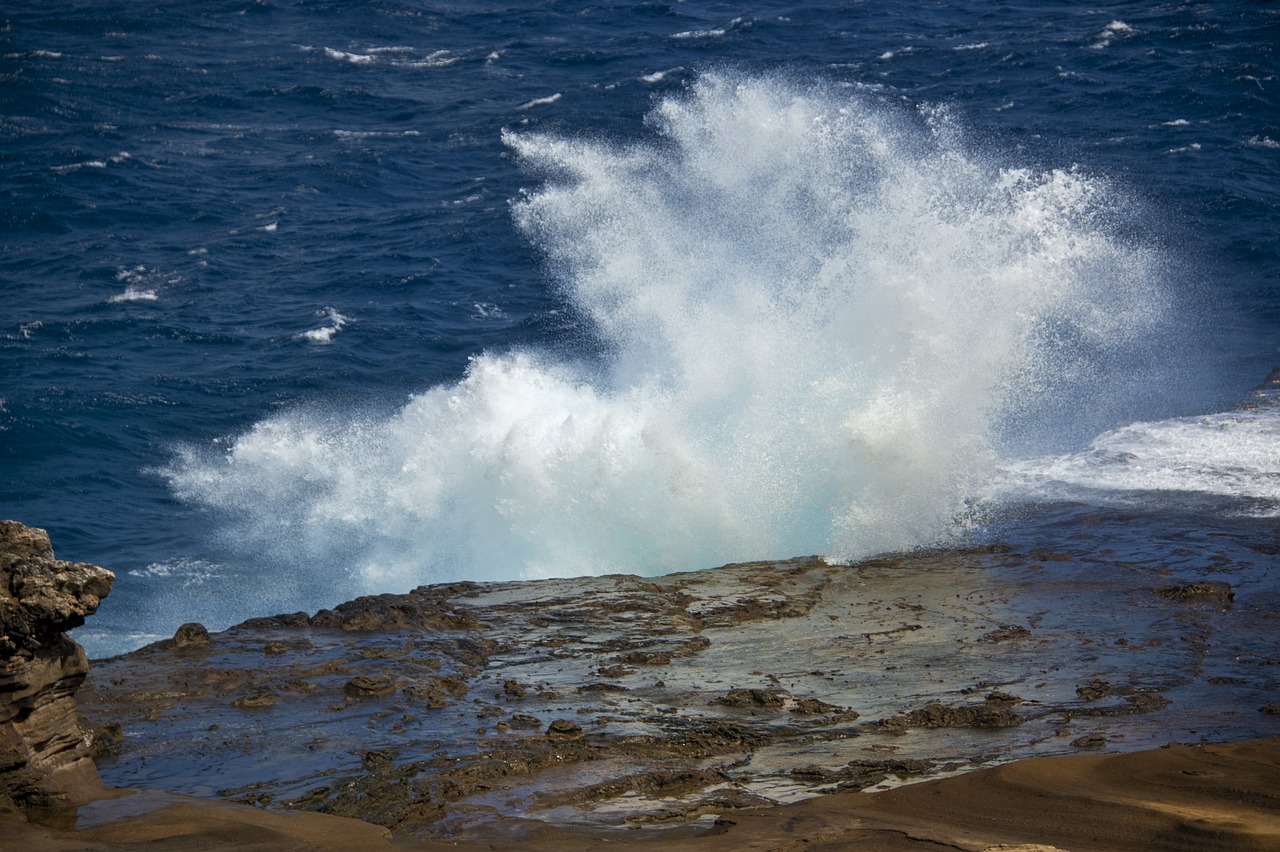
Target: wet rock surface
<point>620,701</point>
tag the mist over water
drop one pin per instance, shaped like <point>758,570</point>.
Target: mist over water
<point>821,322</point>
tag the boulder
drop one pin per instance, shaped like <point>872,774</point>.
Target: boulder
<point>44,752</point>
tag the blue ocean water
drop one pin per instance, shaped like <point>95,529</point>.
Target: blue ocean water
<point>304,300</point>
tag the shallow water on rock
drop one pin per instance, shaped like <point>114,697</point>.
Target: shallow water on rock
<point>621,701</point>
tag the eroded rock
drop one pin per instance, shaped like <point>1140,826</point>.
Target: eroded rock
<point>1220,594</point>
<point>359,687</point>
<point>564,729</point>
<point>752,698</point>
<point>191,637</point>
<point>990,714</point>
<point>44,753</point>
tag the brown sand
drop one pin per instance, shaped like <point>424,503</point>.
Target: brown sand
<point>1209,798</point>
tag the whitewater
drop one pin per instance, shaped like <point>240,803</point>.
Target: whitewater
<point>817,321</point>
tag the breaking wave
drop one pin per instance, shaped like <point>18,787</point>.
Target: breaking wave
<point>823,319</point>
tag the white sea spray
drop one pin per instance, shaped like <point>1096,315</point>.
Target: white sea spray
<point>820,315</point>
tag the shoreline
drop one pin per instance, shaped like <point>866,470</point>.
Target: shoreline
<point>1211,798</point>
<point>1061,695</point>
<point>607,703</point>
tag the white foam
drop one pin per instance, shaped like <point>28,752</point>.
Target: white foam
<point>395,55</point>
<point>140,284</point>
<point>189,571</point>
<point>687,34</point>
<point>437,59</point>
<point>659,76</point>
<point>344,56</point>
<point>325,334</point>
<point>134,294</point>
<point>1234,456</point>
<point>87,164</point>
<point>106,642</point>
<point>1263,142</point>
<point>466,199</point>
<point>817,315</point>
<point>717,32</point>
<point>1113,30</point>
<point>116,159</point>
<point>371,134</point>
<point>272,217</point>
<point>537,102</point>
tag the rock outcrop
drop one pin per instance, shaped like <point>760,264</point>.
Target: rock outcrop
<point>44,753</point>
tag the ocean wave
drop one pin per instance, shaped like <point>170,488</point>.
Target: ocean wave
<point>537,102</point>
<point>1111,32</point>
<point>134,294</point>
<point>819,314</point>
<point>325,333</point>
<point>394,56</point>
<point>142,284</point>
<point>1230,457</point>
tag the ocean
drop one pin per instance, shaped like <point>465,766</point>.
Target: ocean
<point>308,299</point>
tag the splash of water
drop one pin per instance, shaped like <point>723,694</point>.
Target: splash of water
<point>819,314</point>
<point>1221,464</point>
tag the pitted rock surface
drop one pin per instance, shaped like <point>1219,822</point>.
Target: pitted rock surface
<point>44,752</point>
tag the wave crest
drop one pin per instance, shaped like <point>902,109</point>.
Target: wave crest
<point>820,315</point>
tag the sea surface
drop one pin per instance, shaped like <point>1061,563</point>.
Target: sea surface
<point>306,299</point>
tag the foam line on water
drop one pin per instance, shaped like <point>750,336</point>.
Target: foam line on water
<point>1230,459</point>
<point>821,314</point>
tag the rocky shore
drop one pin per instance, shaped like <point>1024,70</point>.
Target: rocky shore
<point>44,754</point>
<point>750,704</point>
